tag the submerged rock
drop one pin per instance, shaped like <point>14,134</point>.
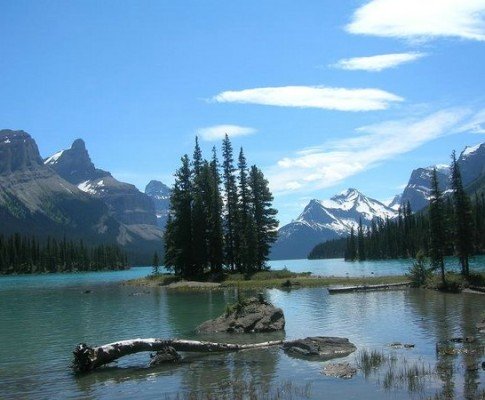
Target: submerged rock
<point>320,347</point>
<point>340,370</point>
<point>250,315</point>
<point>167,355</point>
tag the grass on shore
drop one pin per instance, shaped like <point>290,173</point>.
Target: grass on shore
<point>269,279</point>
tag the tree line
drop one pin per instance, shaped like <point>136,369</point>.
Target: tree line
<point>221,216</point>
<point>452,225</point>
<point>23,254</point>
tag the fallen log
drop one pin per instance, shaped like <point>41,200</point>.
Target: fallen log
<point>88,358</point>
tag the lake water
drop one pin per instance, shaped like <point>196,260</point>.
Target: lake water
<point>43,317</point>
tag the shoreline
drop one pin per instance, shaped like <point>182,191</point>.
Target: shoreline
<point>265,280</point>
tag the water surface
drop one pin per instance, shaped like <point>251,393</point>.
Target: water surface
<point>43,317</point>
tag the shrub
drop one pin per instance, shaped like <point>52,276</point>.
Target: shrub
<point>419,273</point>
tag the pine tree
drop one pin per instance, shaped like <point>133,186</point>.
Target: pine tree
<point>199,211</point>
<point>463,219</point>
<point>231,202</point>
<point>178,235</point>
<point>361,241</point>
<point>436,228</point>
<point>264,216</point>
<point>155,264</point>
<point>351,252</point>
<point>245,251</point>
<point>215,230</point>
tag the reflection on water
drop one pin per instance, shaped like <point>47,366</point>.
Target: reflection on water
<point>39,326</point>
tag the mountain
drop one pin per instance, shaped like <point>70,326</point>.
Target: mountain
<point>34,200</point>
<point>472,166</point>
<point>323,220</point>
<point>418,189</point>
<point>126,204</point>
<point>160,194</point>
<point>395,203</point>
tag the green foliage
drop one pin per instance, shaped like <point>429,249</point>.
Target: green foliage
<point>463,231</point>
<point>155,264</point>
<point>204,231</point>
<point>21,254</point>
<point>419,272</point>
<point>336,248</point>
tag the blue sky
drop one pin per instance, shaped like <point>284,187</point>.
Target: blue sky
<point>322,95</point>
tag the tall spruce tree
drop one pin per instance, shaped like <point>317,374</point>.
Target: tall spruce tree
<point>178,235</point>
<point>231,203</point>
<point>361,241</point>
<point>199,211</point>
<point>351,252</point>
<point>245,242</point>
<point>264,216</point>
<point>215,229</point>
<point>463,218</point>
<point>437,241</point>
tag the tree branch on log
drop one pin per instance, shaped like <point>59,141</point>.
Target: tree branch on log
<point>88,358</point>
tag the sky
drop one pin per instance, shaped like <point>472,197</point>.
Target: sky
<point>322,95</point>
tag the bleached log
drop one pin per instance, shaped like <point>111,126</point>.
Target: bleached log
<point>88,358</point>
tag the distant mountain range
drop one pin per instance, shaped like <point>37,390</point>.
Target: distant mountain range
<point>65,194</point>
<point>472,166</point>
<point>323,220</point>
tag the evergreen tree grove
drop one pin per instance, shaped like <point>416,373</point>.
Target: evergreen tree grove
<point>209,228</point>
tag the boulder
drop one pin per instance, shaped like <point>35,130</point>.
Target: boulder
<point>320,347</point>
<point>251,315</point>
<point>340,370</point>
<point>167,355</point>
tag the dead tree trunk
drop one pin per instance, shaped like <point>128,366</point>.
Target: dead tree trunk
<point>87,358</point>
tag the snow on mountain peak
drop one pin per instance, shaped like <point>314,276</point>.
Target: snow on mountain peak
<point>53,159</point>
<point>470,150</point>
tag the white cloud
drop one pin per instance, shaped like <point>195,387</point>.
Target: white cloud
<point>476,124</point>
<point>377,63</point>
<point>218,132</point>
<point>420,20</point>
<point>328,98</point>
<point>333,162</point>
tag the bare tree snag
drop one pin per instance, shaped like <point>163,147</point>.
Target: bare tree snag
<point>88,358</point>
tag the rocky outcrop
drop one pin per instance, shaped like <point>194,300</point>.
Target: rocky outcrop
<point>252,315</point>
<point>319,347</point>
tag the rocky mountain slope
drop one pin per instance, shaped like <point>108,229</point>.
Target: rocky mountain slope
<point>134,210</point>
<point>323,220</point>
<point>160,194</point>
<point>472,166</point>
<point>36,200</point>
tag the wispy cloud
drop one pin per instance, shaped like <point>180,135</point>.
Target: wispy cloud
<point>377,63</point>
<point>331,163</point>
<point>218,132</point>
<point>420,20</point>
<point>328,98</point>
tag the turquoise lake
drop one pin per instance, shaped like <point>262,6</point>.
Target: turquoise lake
<point>43,317</point>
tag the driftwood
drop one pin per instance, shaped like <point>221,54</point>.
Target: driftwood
<point>88,358</point>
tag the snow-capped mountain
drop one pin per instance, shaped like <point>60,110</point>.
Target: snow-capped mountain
<point>472,166</point>
<point>395,203</point>
<point>160,194</point>
<point>130,207</point>
<point>417,192</point>
<point>124,200</point>
<point>327,219</point>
